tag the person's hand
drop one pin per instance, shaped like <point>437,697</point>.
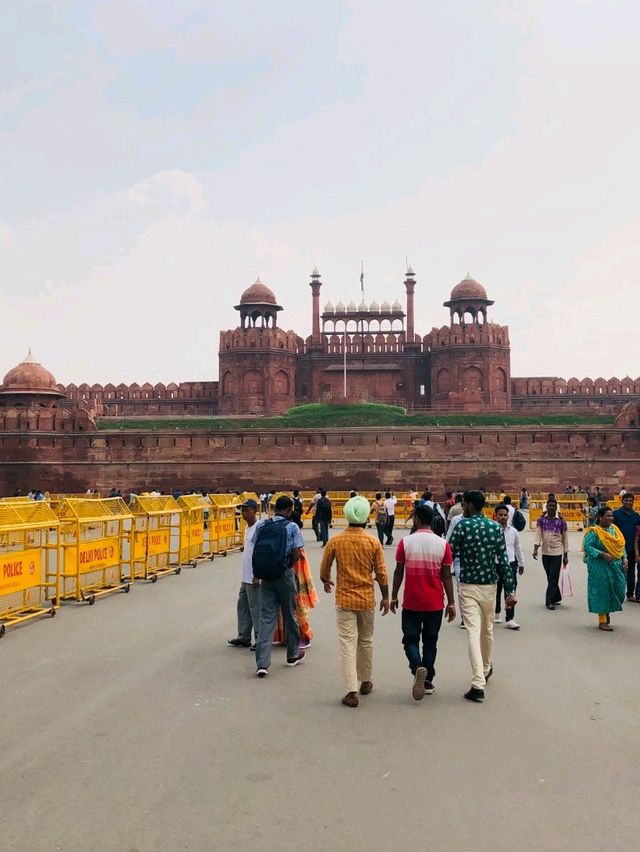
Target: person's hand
<point>607,557</point>
<point>328,586</point>
<point>521,570</point>
<point>565,560</point>
<point>384,606</point>
<point>393,606</point>
<point>451,612</point>
<point>511,600</point>
<point>256,583</point>
<point>535,554</point>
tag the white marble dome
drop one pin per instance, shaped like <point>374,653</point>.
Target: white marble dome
<point>385,307</point>
<point>374,308</point>
<point>340,308</point>
<point>351,308</point>
<point>396,307</point>
<point>363,306</point>
<point>328,308</point>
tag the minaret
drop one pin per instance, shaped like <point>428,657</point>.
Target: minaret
<point>410,284</point>
<point>315,285</point>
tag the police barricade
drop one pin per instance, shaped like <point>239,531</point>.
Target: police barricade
<point>575,517</point>
<point>29,560</point>
<point>157,527</point>
<point>54,500</point>
<point>96,551</point>
<point>225,524</point>
<point>192,528</point>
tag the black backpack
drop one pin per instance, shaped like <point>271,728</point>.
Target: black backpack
<point>437,524</point>
<point>518,521</point>
<point>270,560</point>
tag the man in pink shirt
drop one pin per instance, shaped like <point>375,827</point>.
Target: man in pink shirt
<point>425,559</point>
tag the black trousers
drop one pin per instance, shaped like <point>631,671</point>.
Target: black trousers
<point>552,566</point>
<point>631,574</point>
<point>509,610</point>
<point>315,526</point>
<point>389,527</point>
<point>381,529</point>
<point>414,626</point>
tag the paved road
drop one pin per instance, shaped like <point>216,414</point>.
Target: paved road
<point>131,725</point>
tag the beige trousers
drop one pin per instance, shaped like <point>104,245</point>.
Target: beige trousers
<point>478,605</point>
<point>355,639</point>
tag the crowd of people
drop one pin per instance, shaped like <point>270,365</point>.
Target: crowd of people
<point>454,560</point>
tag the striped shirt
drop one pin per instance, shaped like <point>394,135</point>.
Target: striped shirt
<point>358,557</point>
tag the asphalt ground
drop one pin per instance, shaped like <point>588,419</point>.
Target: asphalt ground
<point>132,725</point>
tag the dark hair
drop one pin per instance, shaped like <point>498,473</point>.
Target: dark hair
<point>476,498</point>
<point>592,501</point>
<point>507,500</point>
<point>459,497</point>
<point>428,495</point>
<point>602,511</point>
<point>552,498</point>
<point>295,492</point>
<point>501,506</point>
<point>424,514</point>
<point>352,494</point>
<point>323,492</point>
<point>378,495</point>
<point>283,503</point>
<point>449,494</point>
<point>629,494</point>
<point>387,494</point>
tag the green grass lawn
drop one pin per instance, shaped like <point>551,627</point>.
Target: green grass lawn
<point>318,416</point>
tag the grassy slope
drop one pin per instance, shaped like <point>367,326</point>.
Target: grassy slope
<point>367,414</point>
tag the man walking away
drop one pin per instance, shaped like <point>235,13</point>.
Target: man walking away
<point>390,501</point>
<point>553,538</point>
<point>483,560</point>
<point>313,505</point>
<point>276,546</point>
<point>516,563</point>
<point>425,560</point>
<point>298,503</point>
<point>324,515</point>
<point>455,510</point>
<point>359,557</point>
<point>627,520</point>
<point>380,514</point>
<point>249,596</point>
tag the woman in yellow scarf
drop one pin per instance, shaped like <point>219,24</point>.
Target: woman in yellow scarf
<point>606,558</point>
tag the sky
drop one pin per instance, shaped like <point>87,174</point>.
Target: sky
<point>158,156</point>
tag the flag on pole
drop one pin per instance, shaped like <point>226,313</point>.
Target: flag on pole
<point>362,276</point>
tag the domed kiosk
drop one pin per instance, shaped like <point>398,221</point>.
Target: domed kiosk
<point>468,298</point>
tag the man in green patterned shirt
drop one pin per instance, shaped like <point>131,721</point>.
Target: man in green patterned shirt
<point>480,546</point>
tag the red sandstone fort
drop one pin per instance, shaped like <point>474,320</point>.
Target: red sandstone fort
<point>49,436</point>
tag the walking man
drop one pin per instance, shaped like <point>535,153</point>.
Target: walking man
<point>424,560</point>
<point>359,557</point>
<point>313,505</point>
<point>379,511</point>
<point>249,596</point>
<point>627,520</point>
<point>516,564</point>
<point>479,543</point>
<point>277,545</point>
<point>390,501</point>
<point>324,516</point>
<point>553,538</point>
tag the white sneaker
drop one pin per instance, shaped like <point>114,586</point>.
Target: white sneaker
<point>463,626</point>
<point>497,619</point>
<point>512,625</point>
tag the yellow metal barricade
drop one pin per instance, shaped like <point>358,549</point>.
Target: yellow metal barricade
<point>96,548</point>
<point>192,534</point>
<point>29,560</point>
<point>225,523</point>
<point>157,523</point>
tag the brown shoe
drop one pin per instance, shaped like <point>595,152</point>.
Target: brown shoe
<point>351,699</point>
<point>365,687</point>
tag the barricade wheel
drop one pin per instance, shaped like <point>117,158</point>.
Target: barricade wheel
<point>52,612</point>
<point>212,557</point>
<point>127,588</point>
<point>54,601</point>
<point>224,553</point>
<point>179,569</point>
<point>91,600</point>
<point>154,578</point>
<point>3,630</point>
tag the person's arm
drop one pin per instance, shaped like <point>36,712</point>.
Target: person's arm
<point>518,552</point>
<point>590,549</point>
<point>325,566</point>
<point>447,582</point>
<point>398,576</point>
<point>565,543</point>
<point>537,540</point>
<point>637,544</point>
<point>380,570</point>
<point>503,568</point>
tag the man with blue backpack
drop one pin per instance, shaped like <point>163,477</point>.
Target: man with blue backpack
<point>277,545</point>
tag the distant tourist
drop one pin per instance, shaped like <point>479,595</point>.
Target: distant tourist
<point>480,544</point>
<point>506,501</point>
<point>313,506</point>
<point>591,512</point>
<point>605,554</point>
<point>552,538</point>
<point>277,544</point>
<point>516,564</point>
<point>449,503</point>
<point>324,516</point>
<point>248,606</point>
<point>424,561</point>
<point>359,557</point>
<point>379,511</point>
<point>298,504</point>
<point>456,509</point>
<point>390,501</point>
<point>627,520</point>
<point>524,498</point>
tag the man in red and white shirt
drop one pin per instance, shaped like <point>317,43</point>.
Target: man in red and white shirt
<point>426,560</point>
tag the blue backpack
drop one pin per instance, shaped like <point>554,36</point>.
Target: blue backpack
<point>270,560</point>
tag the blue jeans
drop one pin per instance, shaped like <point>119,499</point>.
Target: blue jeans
<point>426,625</point>
<point>324,530</point>
<point>273,595</point>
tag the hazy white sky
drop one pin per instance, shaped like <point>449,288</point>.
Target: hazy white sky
<point>158,155</point>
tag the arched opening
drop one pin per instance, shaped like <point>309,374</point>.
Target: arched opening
<point>281,383</point>
<point>472,379</point>
<point>253,382</point>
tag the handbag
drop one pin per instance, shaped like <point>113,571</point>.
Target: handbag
<point>566,590</point>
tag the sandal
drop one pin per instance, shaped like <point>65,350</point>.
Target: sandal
<point>606,627</point>
<point>351,699</point>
